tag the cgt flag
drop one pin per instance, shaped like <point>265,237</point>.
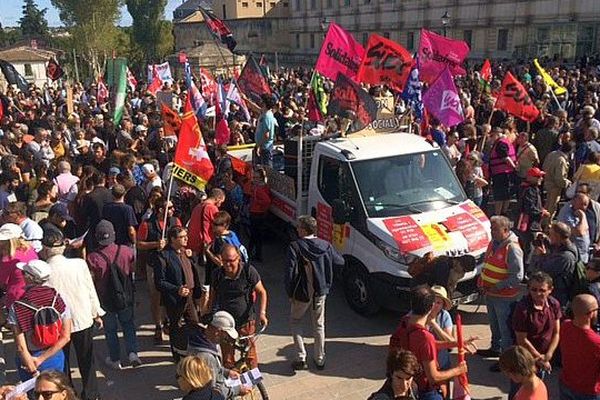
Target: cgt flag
<point>53,70</point>
<point>218,29</point>
<point>192,164</point>
<point>340,53</point>
<point>13,76</point>
<point>442,100</point>
<point>436,52</point>
<point>349,100</point>
<point>385,61</point>
<point>513,99</point>
<point>252,82</point>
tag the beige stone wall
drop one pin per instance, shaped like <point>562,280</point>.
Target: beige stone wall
<point>235,9</point>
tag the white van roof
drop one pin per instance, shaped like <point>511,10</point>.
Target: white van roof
<point>381,146</point>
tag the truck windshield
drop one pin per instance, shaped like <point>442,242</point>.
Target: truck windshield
<point>407,184</point>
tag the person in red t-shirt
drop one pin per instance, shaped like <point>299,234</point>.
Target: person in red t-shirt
<point>580,351</point>
<point>260,201</point>
<point>412,334</point>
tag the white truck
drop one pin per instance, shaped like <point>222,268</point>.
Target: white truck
<point>383,201</point>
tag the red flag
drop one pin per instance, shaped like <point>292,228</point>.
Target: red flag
<point>461,383</point>
<point>208,83</point>
<point>53,70</point>
<point>385,61</point>
<point>1,110</point>
<point>514,99</point>
<point>486,71</point>
<point>312,111</point>
<point>172,121</point>
<point>156,83</point>
<point>192,164</point>
<point>222,132</point>
<point>252,82</point>
<point>349,100</point>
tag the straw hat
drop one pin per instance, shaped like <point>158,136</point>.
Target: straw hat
<point>441,292</point>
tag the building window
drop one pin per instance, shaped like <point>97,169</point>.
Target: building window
<point>224,11</point>
<point>365,38</point>
<point>386,35</point>
<point>410,40</point>
<point>272,4</point>
<point>259,5</point>
<point>244,4</point>
<point>312,40</point>
<point>543,35</point>
<point>502,39</point>
<point>297,40</point>
<point>28,70</point>
<point>298,2</point>
<point>346,2</point>
<point>468,37</point>
<point>285,4</point>
<point>329,3</point>
<point>313,4</point>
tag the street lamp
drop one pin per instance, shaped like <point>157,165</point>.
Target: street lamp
<point>324,24</point>
<point>445,21</point>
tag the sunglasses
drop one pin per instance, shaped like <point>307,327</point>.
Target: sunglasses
<point>45,394</point>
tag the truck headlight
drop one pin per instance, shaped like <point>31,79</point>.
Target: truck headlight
<point>390,252</point>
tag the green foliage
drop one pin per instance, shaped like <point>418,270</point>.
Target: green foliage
<point>149,30</point>
<point>33,22</point>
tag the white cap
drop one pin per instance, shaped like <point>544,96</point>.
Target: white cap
<point>37,268</point>
<point>148,169</point>
<point>10,231</point>
<point>140,128</point>
<point>225,322</point>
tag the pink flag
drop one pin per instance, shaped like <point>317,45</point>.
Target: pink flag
<point>442,100</point>
<point>339,53</point>
<point>436,52</point>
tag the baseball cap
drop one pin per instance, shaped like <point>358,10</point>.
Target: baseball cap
<point>535,172</point>
<point>10,231</point>
<point>60,210</point>
<point>105,233</point>
<point>39,269</point>
<point>224,321</point>
<point>148,169</point>
<point>141,128</point>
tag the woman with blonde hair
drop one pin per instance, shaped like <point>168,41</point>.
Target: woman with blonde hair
<point>13,249</point>
<point>53,385</point>
<point>194,377</point>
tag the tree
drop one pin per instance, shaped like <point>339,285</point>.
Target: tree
<point>92,24</point>
<point>33,22</point>
<point>149,29</point>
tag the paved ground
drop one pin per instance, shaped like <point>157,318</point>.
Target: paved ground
<point>356,349</point>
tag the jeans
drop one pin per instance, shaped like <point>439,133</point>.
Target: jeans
<point>266,156</point>
<point>568,394</point>
<point>431,395</point>
<point>317,313</point>
<point>125,318</point>
<point>499,314</point>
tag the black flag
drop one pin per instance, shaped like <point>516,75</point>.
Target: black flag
<point>252,82</point>
<point>13,77</point>
<point>349,100</point>
<point>218,28</point>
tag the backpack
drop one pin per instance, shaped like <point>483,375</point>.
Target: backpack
<point>46,324</point>
<point>119,287</point>
<point>579,282</point>
<point>233,240</point>
<point>300,290</point>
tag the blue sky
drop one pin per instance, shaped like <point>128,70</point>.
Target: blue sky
<point>10,12</point>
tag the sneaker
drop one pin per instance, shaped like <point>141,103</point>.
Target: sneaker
<point>134,360</point>
<point>116,365</point>
<point>299,365</point>
<point>488,353</point>
<point>320,365</point>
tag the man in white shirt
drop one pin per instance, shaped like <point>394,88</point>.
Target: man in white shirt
<point>16,213</point>
<point>72,279</point>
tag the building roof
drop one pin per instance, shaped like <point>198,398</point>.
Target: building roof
<point>26,54</point>
<point>196,16</point>
<point>195,4</point>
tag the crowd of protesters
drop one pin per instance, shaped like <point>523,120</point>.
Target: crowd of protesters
<point>86,214</point>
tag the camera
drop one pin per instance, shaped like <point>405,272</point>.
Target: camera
<point>541,240</point>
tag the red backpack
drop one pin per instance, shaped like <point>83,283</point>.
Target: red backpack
<point>46,323</point>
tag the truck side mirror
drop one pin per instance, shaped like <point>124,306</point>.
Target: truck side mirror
<point>340,212</point>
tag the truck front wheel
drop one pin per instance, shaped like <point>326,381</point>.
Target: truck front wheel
<point>358,290</point>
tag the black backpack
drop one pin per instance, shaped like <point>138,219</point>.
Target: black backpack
<point>299,282</point>
<point>119,293</point>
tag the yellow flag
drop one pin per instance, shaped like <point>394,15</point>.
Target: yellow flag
<point>558,90</point>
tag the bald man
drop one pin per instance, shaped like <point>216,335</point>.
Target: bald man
<point>580,349</point>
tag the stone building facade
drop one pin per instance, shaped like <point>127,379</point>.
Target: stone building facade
<point>493,28</point>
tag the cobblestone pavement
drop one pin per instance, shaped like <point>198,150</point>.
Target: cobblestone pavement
<point>356,349</point>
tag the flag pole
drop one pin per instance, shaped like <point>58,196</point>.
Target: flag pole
<point>166,217</point>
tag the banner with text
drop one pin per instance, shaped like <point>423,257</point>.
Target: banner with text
<point>436,52</point>
<point>385,62</point>
<point>340,53</point>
